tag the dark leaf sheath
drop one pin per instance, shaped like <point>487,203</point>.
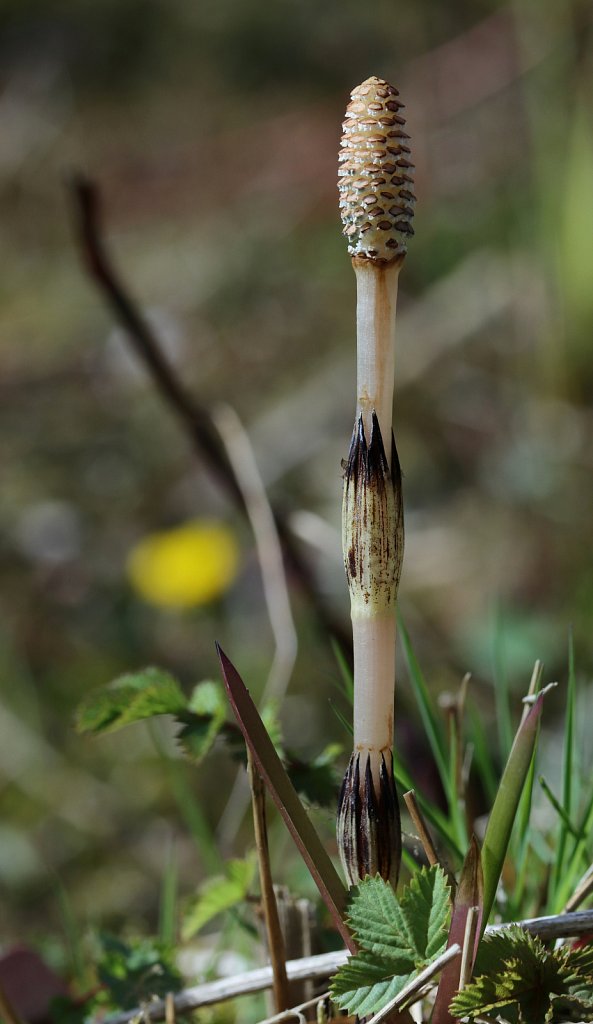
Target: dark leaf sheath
<point>372,522</point>
<point>368,828</point>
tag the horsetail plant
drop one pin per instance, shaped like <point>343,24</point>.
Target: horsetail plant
<point>377,204</point>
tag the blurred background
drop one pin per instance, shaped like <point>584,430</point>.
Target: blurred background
<point>212,130</point>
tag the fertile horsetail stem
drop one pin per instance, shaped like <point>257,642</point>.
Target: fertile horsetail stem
<point>377,205</point>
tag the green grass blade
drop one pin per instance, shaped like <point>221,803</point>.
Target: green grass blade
<point>189,806</point>
<point>168,901</point>
<point>454,796</point>
<point>432,726</point>
<point>501,693</point>
<point>482,756</point>
<point>521,846</point>
<point>569,826</point>
<point>524,812</point>
<point>579,857</point>
<point>341,718</point>
<point>502,816</point>
<point>346,676</point>
<point>79,970</point>
<point>567,767</point>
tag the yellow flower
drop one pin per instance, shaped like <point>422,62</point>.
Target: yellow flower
<point>186,566</point>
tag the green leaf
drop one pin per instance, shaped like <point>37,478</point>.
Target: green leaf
<point>219,894</point>
<point>203,720</point>
<point>317,781</point>
<point>128,699</point>
<point>426,904</point>
<point>134,973</point>
<point>397,937</point>
<point>365,984</point>
<point>379,925</point>
<point>515,972</point>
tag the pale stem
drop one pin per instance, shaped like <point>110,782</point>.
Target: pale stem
<point>376,286</point>
<point>374,684</point>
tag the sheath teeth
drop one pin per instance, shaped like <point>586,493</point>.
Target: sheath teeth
<point>374,177</point>
<point>372,523</point>
<point>369,831</point>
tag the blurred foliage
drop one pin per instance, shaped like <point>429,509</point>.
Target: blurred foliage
<point>213,130</point>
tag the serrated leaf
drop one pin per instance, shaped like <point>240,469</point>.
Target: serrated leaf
<point>130,698</point>
<point>378,924</point>
<point>514,969</point>
<point>365,984</point>
<point>203,720</point>
<point>426,905</point>
<point>397,937</point>
<point>219,894</point>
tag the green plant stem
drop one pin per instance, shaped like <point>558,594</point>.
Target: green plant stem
<point>190,808</point>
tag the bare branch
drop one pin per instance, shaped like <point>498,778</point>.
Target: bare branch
<point>193,417</point>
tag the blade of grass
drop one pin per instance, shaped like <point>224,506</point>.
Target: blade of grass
<point>524,812</point>
<point>521,847</point>
<point>567,767</point>
<point>455,795</point>
<point>341,718</point>
<point>504,810</point>
<point>578,855</point>
<point>569,826</point>
<point>78,969</point>
<point>501,691</point>
<point>482,756</point>
<point>190,808</point>
<point>346,677</point>
<point>168,901</point>
<point>432,725</point>
<point>285,797</point>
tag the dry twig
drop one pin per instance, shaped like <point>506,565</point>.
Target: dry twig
<point>193,417</point>
<point>270,910</point>
<point>269,550</point>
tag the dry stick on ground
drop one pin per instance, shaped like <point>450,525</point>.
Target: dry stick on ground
<point>583,889</point>
<point>426,839</point>
<point>270,909</point>
<point>170,1008</point>
<point>421,827</point>
<point>276,593</point>
<point>193,417</point>
<point>469,938</point>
